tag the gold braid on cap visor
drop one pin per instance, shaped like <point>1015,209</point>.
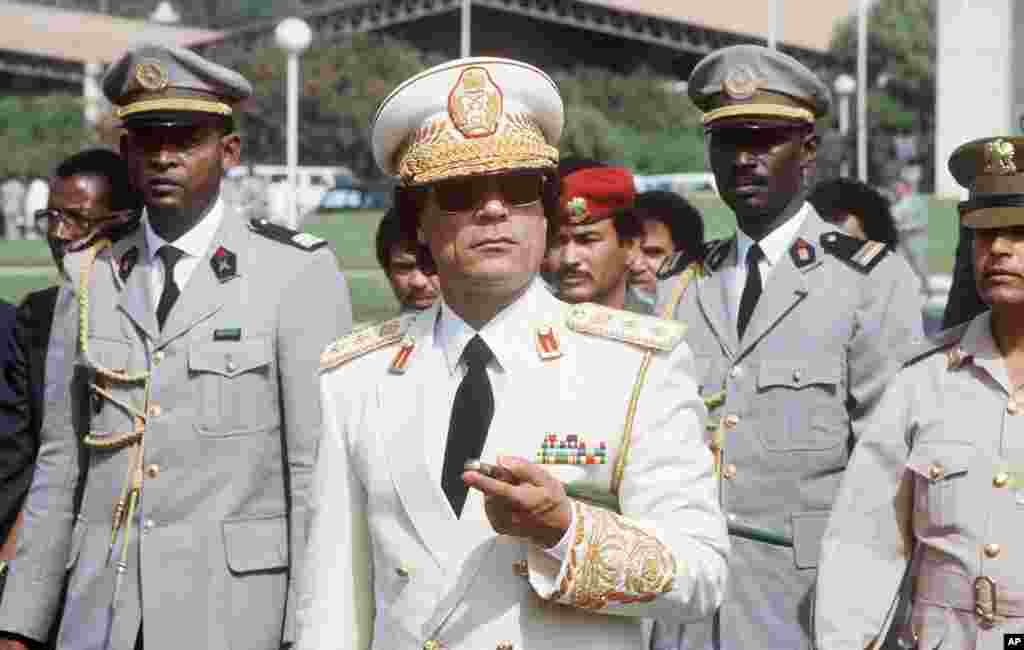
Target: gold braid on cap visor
<point>438,151</point>
<point>759,110</point>
<point>175,104</point>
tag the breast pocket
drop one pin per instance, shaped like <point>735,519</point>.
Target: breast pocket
<point>237,386</point>
<point>107,417</point>
<point>941,496</point>
<point>800,404</point>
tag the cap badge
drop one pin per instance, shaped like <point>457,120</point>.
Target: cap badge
<point>151,75</point>
<point>999,158</point>
<point>475,103</point>
<point>577,208</point>
<point>740,83</point>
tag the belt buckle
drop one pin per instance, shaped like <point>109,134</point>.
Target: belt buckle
<point>985,601</point>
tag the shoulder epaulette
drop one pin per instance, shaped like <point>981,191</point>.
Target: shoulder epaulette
<point>715,252</point>
<point>364,341</point>
<point>946,340</point>
<point>279,233</point>
<point>637,329</point>
<point>861,255</point>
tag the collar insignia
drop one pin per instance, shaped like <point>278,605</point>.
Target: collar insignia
<point>127,263</point>
<point>224,263</point>
<point>802,253</point>
<point>401,360</point>
<point>547,343</point>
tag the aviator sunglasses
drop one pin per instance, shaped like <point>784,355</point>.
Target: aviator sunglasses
<point>517,190</point>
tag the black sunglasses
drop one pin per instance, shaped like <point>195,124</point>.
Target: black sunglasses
<point>516,190</point>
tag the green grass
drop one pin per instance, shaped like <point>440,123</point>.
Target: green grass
<point>351,234</point>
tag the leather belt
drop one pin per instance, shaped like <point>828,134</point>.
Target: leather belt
<point>982,596</point>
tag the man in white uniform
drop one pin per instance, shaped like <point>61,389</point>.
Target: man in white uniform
<point>562,398</point>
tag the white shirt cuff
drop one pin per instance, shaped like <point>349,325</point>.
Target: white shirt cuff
<point>561,549</point>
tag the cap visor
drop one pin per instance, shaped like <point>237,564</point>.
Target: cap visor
<point>996,217</point>
<point>171,118</point>
<point>754,121</point>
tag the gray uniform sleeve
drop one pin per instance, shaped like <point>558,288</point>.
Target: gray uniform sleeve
<point>31,598</point>
<point>315,311</point>
<point>869,539</point>
<point>887,328</point>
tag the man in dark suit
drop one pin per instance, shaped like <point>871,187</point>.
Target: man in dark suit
<point>91,196</point>
<point>16,450</point>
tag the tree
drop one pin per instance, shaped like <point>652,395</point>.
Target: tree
<point>38,132</point>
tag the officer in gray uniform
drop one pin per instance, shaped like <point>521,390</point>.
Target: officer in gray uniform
<point>197,351</point>
<point>935,489</point>
<point>796,328</point>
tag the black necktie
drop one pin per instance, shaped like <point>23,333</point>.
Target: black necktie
<point>471,417</point>
<point>170,256</point>
<point>752,290</point>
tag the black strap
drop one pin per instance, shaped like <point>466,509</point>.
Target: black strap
<point>472,411</point>
<point>751,290</point>
<point>170,256</point>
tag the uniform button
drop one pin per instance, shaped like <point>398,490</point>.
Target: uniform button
<point>505,645</point>
<point>936,471</point>
<point>731,421</point>
<point>158,356</point>
<point>402,572</point>
<point>229,364</point>
<point>155,410</point>
<point>736,372</point>
<point>152,471</point>
<point>796,376</point>
<point>432,644</point>
<point>992,550</point>
<point>729,472</point>
<point>148,525</point>
<point>1001,480</point>
<point>521,569</point>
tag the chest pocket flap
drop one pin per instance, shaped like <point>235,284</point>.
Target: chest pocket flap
<point>798,373</point>
<point>230,358</point>
<point>941,498</point>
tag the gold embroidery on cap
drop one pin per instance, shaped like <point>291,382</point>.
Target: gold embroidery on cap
<point>151,75</point>
<point>999,157</point>
<point>475,103</point>
<point>740,83</point>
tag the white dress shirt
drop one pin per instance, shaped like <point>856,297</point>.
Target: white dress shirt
<point>509,342</point>
<point>193,244</point>
<point>774,246</point>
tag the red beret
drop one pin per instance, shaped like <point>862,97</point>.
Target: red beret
<point>594,194</point>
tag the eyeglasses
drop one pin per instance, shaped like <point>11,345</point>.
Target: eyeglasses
<point>516,190</point>
<point>79,221</point>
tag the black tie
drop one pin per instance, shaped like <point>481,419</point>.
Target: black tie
<point>170,256</point>
<point>752,290</point>
<point>471,417</point>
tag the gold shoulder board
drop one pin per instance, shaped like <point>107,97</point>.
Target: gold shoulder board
<point>364,341</point>
<point>644,331</point>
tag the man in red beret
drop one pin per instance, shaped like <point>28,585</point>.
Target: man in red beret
<point>597,234</point>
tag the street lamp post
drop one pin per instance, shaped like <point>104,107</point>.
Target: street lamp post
<point>845,85</point>
<point>293,35</point>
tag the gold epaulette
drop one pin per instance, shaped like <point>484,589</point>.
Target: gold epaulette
<point>628,327</point>
<point>364,341</point>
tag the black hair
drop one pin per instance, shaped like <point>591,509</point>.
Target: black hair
<point>684,222</point>
<point>835,198</point>
<point>389,235</point>
<point>107,164</point>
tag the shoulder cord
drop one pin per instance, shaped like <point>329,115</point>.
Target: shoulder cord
<point>692,271</point>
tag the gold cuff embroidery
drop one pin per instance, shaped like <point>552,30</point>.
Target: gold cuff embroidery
<point>613,561</point>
